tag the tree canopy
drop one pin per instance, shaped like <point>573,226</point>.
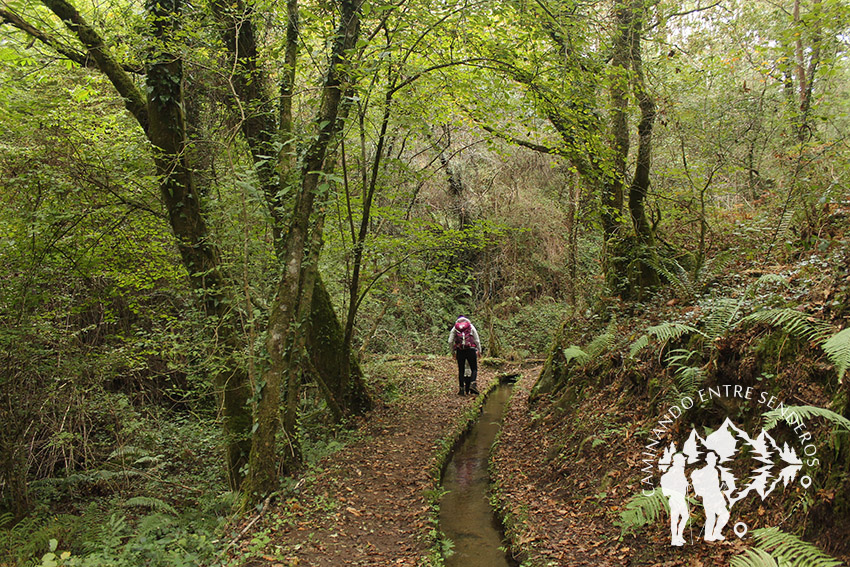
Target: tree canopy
<point>231,209</point>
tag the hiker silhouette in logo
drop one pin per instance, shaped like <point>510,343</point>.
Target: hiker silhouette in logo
<point>674,485</point>
<point>706,481</point>
<point>466,348</point>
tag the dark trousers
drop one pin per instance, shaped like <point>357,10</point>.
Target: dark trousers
<point>464,355</point>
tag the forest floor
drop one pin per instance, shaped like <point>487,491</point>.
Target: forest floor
<point>564,512</point>
<point>368,504</point>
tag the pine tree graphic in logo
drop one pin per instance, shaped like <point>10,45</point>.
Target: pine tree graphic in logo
<point>712,480</point>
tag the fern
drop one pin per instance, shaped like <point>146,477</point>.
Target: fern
<point>147,460</point>
<point>767,279</point>
<point>679,358</point>
<point>575,353</point>
<point>837,349</point>
<point>641,343</point>
<point>689,285</point>
<point>799,324</point>
<point>641,510</point>
<point>679,278</point>
<point>600,344</point>
<point>773,417</point>
<point>663,333</point>
<point>152,503</point>
<point>110,536</point>
<point>794,323</point>
<point>722,317</point>
<point>128,451</point>
<point>789,548</point>
<point>754,558</point>
<point>154,523</point>
<point>689,379</point>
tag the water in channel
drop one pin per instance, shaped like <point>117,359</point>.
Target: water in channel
<point>466,516</point>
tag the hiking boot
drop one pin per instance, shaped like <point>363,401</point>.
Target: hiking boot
<point>460,392</point>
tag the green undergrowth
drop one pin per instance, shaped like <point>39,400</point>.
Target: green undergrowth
<point>160,499</point>
<point>780,334</point>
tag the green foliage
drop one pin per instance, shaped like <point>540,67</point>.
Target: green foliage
<point>595,348</point>
<point>158,541</point>
<point>772,417</point>
<point>574,353</point>
<point>722,317</point>
<point>754,558</point>
<point>837,349</point>
<point>151,503</point>
<point>642,510</point>
<point>96,324</point>
<point>789,550</point>
<point>525,328</point>
<point>602,343</point>
<point>799,324</point>
<point>663,333</point>
<point>793,322</point>
<point>688,378</point>
<point>688,285</point>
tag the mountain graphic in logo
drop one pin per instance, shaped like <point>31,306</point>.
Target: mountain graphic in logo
<point>728,456</point>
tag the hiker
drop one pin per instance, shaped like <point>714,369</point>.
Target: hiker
<point>674,485</point>
<point>466,347</point>
<point>706,482</point>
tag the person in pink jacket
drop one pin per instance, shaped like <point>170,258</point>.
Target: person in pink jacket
<point>466,347</point>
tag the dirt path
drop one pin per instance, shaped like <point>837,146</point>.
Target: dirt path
<point>367,504</point>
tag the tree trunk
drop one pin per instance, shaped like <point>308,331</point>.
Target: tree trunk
<point>618,249</point>
<point>286,133</point>
<point>263,462</point>
<point>359,240</point>
<point>456,189</point>
<point>803,71</point>
<point>647,273</point>
<point>167,133</point>
<point>162,119</point>
<point>633,258</point>
<point>573,198</point>
<point>13,459</point>
<point>239,37</point>
<point>327,349</point>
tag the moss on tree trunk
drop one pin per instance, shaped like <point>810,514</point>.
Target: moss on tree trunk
<point>325,348</point>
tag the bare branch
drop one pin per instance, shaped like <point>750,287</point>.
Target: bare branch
<point>520,142</point>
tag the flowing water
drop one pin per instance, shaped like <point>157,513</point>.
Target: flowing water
<point>466,516</point>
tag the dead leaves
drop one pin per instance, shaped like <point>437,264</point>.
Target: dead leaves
<point>366,504</point>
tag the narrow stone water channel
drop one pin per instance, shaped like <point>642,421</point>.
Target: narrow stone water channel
<point>466,516</point>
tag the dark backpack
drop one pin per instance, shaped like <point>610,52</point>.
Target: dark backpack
<point>463,335</point>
